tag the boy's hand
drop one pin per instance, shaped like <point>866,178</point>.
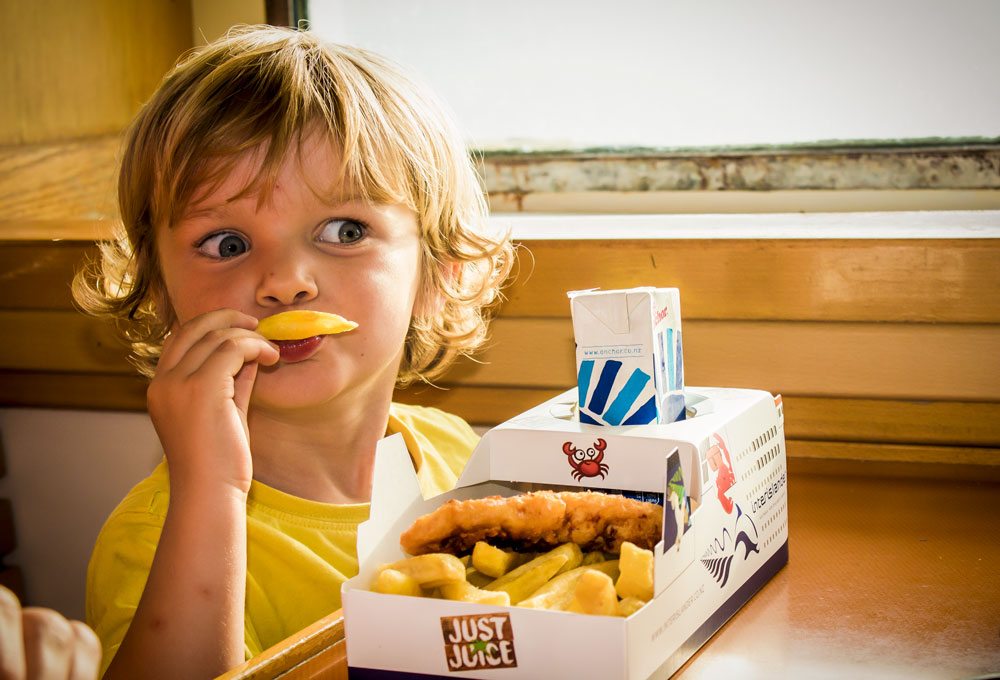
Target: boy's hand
<point>199,396</point>
<point>40,643</point>
<point>194,597</point>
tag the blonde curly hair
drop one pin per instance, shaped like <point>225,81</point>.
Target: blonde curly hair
<point>258,90</point>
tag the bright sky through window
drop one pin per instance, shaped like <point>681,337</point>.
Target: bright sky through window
<point>577,73</point>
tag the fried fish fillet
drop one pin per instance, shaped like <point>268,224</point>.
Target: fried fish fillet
<point>540,520</point>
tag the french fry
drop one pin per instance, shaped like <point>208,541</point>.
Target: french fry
<point>558,592</point>
<point>395,582</point>
<point>629,605</point>
<point>570,551</point>
<point>594,594</point>
<point>636,579</point>
<point>464,591</point>
<point>493,561</point>
<point>297,324</point>
<point>574,556</point>
<point>431,570</point>
<point>476,577</point>
<point>529,577</point>
<point>562,579</point>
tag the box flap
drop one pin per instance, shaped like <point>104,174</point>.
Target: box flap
<point>477,468</point>
<point>395,490</point>
<point>532,447</point>
<point>612,309</point>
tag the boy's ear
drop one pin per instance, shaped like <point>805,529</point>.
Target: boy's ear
<point>431,299</point>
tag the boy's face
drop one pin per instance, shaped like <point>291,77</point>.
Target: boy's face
<point>297,251</point>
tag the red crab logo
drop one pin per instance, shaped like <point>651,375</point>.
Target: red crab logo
<point>587,462</point>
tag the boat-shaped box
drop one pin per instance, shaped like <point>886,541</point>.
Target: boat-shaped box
<point>721,475</point>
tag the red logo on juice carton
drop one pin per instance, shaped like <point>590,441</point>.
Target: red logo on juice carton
<point>478,641</point>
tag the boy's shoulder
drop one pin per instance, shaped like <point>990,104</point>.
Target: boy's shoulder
<point>430,420</point>
<point>440,443</point>
<point>128,538</point>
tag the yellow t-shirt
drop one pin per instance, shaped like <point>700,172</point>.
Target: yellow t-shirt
<point>299,552</point>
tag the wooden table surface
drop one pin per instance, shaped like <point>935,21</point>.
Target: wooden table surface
<point>887,578</point>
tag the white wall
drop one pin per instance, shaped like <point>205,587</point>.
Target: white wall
<point>667,73</point>
<point>66,471</point>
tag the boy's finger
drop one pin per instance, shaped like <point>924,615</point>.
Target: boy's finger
<point>48,644</point>
<point>237,341</point>
<point>11,640</point>
<point>243,385</point>
<point>87,654</point>
<point>182,338</point>
<point>230,359</point>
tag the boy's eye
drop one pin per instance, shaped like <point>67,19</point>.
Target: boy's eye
<point>342,231</point>
<point>223,245</point>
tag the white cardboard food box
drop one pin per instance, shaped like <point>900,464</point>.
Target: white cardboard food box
<point>629,355</point>
<point>730,452</point>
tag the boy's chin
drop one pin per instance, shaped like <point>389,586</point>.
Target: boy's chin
<point>287,388</point>
<point>317,384</point>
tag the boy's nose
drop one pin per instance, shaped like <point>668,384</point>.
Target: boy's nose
<point>286,285</point>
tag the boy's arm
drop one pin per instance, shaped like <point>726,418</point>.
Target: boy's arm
<point>189,621</point>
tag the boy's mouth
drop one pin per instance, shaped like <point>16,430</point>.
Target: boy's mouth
<point>298,350</point>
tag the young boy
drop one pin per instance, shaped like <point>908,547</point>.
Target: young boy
<point>273,172</point>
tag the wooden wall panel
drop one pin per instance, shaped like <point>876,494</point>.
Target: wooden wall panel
<point>74,69</point>
<point>871,361</point>
<point>85,391</point>
<point>911,280</point>
<point>935,281</point>
<point>66,342</point>
<point>38,275</point>
<point>888,421</point>
<point>890,361</point>
<point>853,451</point>
<point>54,187</point>
<point>855,386</point>
<point>876,421</point>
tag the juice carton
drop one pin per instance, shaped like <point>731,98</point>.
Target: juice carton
<point>629,357</point>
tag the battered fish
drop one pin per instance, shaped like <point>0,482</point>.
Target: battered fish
<point>540,520</point>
